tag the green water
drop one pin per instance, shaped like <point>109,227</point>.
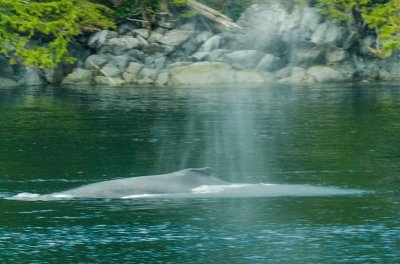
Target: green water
<point>53,139</point>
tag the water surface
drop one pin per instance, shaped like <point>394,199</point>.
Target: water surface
<point>53,139</point>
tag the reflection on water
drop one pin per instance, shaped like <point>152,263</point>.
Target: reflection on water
<point>56,139</point>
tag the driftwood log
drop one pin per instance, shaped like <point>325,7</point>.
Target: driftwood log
<point>212,14</point>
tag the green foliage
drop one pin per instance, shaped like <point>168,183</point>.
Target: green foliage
<point>381,15</point>
<point>145,9</point>
<point>385,18</point>
<point>37,32</point>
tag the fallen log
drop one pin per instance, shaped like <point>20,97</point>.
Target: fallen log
<point>212,14</point>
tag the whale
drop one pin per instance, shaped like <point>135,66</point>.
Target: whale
<point>187,183</point>
<point>182,181</point>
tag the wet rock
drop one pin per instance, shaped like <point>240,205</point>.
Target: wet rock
<point>324,74</point>
<point>200,56</point>
<point>78,76</point>
<point>298,75</point>
<point>144,33</point>
<point>111,69</point>
<point>154,48</point>
<point>122,61</point>
<point>243,59</point>
<point>119,46</point>
<point>104,80</point>
<point>328,33</point>
<point>6,82</point>
<point>131,72</point>
<point>96,61</point>
<point>147,76</point>
<point>54,75</point>
<point>306,54</point>
<point>269,63</point>
<point>99,39</point>
<point>212,43</point>
<point>30,76</point>
<point>155,37</point>
<point>175,37</point>
<point>335,55</point>
<point>202,73</point>
<point>163,78</point>
<point>252,76</point>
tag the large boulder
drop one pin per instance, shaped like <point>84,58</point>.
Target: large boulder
<point>6,82</point>
<point>243,59</point>
<point>96,61</point>
<point>212,43</point>
<point>30,76</point>
<point>306,54</point>
<point>296,75</point>
<point>104,80</point>
<point>78,76</point>
<point>131,72</point>
<point>99,39</point>
<point>252,76</point>
<point>329,33</point>
<point>269,63</point>
<point>120,46</point>
<point>202,73</point>
<point>324,74</point>
<point>175,37</point>
<point>147,76</point>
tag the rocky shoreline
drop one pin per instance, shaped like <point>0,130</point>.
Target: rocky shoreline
<point>273,45</point>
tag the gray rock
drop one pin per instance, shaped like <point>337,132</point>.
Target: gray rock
<point>30,76</point>
<point>6,82</point>
<point>202,73</point>
<point>203,36</point>
<point>283,73</point>
<point>5,68</point>
<point>125,28</point>
<point>96,61</point>
<point>306,54</point>
<point>175,37</point>
<point>142,41</point>
<point>200,56</point>
<point>155,37</point>
<point>212,43</point>
<point>147,76</point>
<point>178,64</point>
<point>269,63</point>
<point>103,80</point>
<point>329,33</point>
<point>99,39</point>
<point>252,76</point>
<point>160,62</point>
<point>131,72</point>
<point>111,69</point>
<point>335,55</point>
<point>119,46</point>
<point>154,48</point>
<point>217,53</point>
<point>142,32</point>
<point>54,75</point>
<point>78,76</point>
<point>163,78</point>
<point>324,74</point>
<point>122,61</point>
<point>243,59</point>
<point>298,75</point>
<point>137,54</point>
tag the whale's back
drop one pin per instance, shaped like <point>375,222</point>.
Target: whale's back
<point>176,182</point>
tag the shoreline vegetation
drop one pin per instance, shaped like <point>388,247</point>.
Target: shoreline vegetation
<point>178,42</point>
